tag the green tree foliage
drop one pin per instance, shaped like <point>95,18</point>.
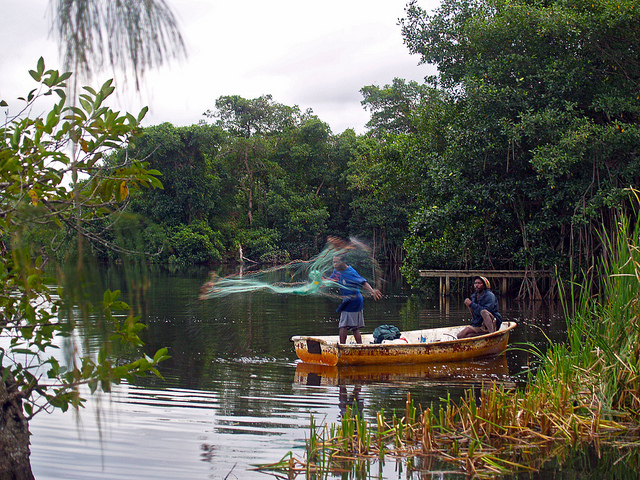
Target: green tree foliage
<point>243,117</point>
<point>536,137</point>
<point>184,156</point>
<point>298,187</point>
<point>380,205</point>
<point>388,171</point>
<point>277,156</point>
<point>270,182</point>
<point>337,195</point>
<point>254,126</point>
<point>253,184</point>
<point>52,172</point>
<point>393,106</point>
<point>168,221</point>
<point>194,242</point>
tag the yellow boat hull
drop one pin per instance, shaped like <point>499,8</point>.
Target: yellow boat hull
<point>438,345</point>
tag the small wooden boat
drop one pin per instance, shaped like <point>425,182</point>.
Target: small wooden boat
<point>436,345</point>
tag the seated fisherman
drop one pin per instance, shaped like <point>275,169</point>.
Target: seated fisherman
<point>484,307</point>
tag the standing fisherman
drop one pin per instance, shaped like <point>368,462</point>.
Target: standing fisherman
<point>351,308</point>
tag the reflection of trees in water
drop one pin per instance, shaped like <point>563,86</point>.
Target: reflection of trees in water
<point>589,464</point>
<point>538,323</point>
<point>393,397</point>
<point>582,465</point>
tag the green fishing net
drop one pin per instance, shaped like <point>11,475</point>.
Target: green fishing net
<point>309,277</point>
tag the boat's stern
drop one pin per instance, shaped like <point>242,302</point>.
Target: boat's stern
<point>315,350</point>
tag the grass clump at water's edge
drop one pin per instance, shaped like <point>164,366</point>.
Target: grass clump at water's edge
<point>585,393</point>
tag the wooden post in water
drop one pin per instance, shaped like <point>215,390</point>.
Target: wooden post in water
<point>445,288</point>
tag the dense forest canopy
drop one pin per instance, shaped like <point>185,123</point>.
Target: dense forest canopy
<point>516,155</point>
<point>536,139</point>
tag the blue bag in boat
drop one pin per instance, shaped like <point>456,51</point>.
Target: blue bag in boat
<point>385,332</point>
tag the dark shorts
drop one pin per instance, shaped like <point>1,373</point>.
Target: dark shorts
<point>351,320</point>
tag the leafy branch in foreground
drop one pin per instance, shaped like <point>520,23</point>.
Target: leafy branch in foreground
<point>52,172</point>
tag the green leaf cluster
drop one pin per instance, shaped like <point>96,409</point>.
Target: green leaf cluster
<point>53,176</point>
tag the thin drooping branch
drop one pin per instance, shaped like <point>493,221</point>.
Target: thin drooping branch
<point>126,35</point>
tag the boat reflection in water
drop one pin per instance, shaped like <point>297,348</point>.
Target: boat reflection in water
<point>473,372</point>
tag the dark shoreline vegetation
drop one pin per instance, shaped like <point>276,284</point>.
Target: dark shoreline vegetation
<point>583,394</point>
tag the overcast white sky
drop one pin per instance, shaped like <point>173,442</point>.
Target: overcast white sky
<point>315,55</point>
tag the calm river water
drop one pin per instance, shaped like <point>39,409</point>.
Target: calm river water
<point>233,394</point>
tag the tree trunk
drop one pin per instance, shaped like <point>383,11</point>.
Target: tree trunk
<point>14,434</point>
<point>250,173</point>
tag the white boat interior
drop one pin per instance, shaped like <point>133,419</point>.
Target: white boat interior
<point>430,335</point>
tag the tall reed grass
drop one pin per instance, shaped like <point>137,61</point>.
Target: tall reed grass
<point>584,394</point>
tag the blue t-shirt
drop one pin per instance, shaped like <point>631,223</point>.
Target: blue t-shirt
<point>350,282</point>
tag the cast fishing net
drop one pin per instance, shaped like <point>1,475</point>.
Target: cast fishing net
<point>299,277</point>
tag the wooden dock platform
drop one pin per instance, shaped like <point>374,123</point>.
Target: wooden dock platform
<point>493,275</point>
